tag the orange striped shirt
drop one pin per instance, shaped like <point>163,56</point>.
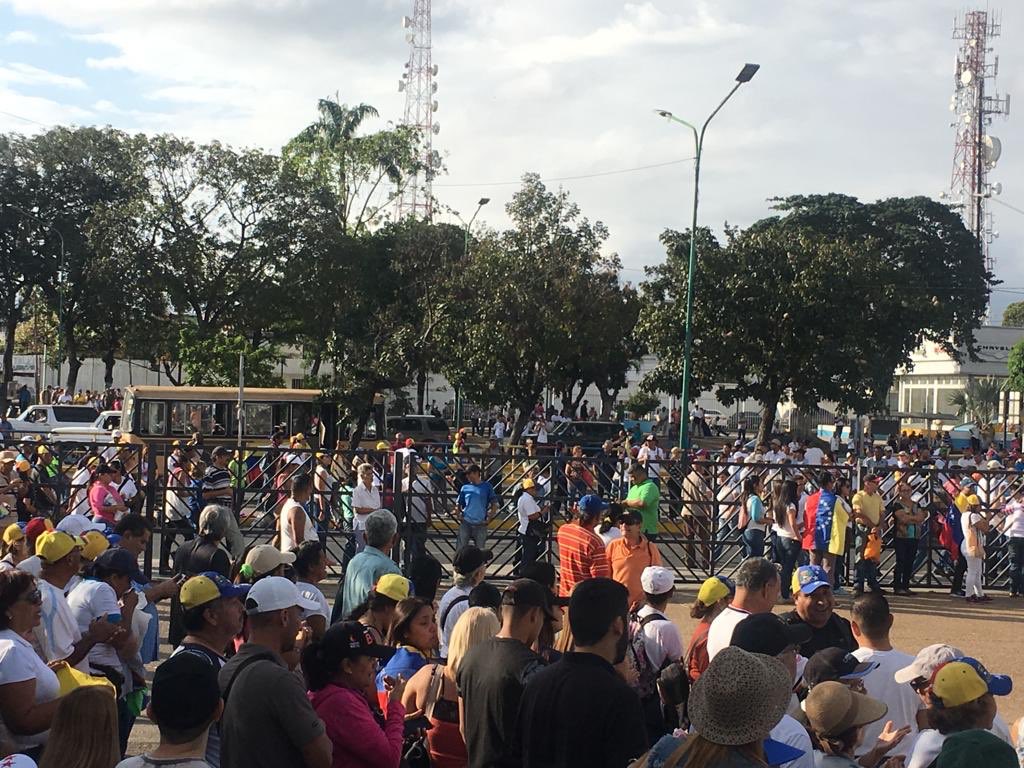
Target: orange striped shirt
<point>581,555</point>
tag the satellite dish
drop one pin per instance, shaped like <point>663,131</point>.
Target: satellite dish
<point>992,149</point>
<point>433,70</point>
<point>433,106</point>
<point>966,76</point>
<point>409,37</point>
<point>433,87</point>
<point>436,128</point>
<point>406,22</point>
<point>401,85</point>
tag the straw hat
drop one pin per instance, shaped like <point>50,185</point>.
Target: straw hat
<point>740,697</point>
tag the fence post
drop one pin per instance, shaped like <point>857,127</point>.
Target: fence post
<point>151,509</point>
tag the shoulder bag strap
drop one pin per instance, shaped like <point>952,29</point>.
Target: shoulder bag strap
<point>238,672</point>
<point>448,610</point>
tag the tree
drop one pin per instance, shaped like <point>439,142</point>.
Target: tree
<point>213,361</point>
<point>1013,315</point>
<point>641,403</point>
<point>978,401</point>
<point>523,306</point>
<point>821,304</point>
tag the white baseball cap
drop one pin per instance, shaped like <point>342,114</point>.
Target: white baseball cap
<point>656,580</point>
<point>928,659</point>
<point>76,525</point>
<point>17,761</point>
<point>275,593</point>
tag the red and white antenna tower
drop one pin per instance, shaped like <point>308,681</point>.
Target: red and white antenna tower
<point>419,86</point>
<point>974,102</point>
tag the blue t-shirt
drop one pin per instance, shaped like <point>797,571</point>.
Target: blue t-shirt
<point>474,500</point>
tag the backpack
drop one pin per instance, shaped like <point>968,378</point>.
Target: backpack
<point>644,673</point>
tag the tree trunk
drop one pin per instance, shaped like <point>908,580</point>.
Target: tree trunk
<point>525,409</point>
<point>577,399</point>
<point>74,363</point>
<point>357,433</point>
<point>566,397</point>
<point>767,419</point>
<point>314,369</point>
<point>10,327</point>
<point>421,391</point>
<point>175,380</point>
<point>607,403</point>
<point>108,368</point>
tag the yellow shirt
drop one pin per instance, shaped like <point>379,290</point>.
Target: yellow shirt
<point>869,505</point>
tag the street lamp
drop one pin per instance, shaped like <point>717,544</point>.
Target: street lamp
<point>482,202</point>
<point>744,76</point>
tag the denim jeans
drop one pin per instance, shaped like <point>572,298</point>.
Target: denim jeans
<point>1016,548</point>
<point>867,571</point>
<point>753,543</point>
<point>475,533</point>
<point>787,553</point>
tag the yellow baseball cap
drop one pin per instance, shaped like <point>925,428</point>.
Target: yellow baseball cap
<point>714,589</point>
<point>22,465</point>
<point>382,446</point>
<point>95,544</point>
<point>13,533</point>
<point>964,680</point>
<point>207,587</point>
<point>51,546</point>
<point>528,483</point>
<point>392,585</point>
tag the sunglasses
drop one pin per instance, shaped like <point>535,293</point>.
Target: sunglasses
<point>35,597</point>
<point>920,685</point>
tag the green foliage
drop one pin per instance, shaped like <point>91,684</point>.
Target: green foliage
<point>978,401</point>
<point>212,361</point>
<point>641,403</point>
<point>1013,315</point>
<point>1015,365</point>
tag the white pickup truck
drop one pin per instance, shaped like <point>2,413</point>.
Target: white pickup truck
<point>43,419</point>
<point>100,431</point>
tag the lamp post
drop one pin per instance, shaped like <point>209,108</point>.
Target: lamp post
<point>744,76</point>
<point>457,411</point>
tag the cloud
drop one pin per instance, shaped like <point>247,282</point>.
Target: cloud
<point>20,36</point>
<point>26,74</point>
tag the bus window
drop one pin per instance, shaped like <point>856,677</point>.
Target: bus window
<point>302,413</point>
<point>281,418</point>
<point>153,419</point>
<point>219,420</point>
<point>187,418</point>
<point>258,418</point>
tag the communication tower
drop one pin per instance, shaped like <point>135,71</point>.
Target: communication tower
<point>975,101</point>
<point>419,87</point>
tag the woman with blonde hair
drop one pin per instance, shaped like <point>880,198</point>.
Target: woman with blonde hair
<point>432,693</point>
<point>84,731</point>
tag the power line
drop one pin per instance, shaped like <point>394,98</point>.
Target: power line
<point>1006,205</point>
<point>26,119</point>
<point>517,182</point>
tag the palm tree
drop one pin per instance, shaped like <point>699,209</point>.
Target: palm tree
<point>978,401</point>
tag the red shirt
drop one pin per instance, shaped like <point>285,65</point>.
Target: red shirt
<point>697,654</point>
<point>810,516</point>
<point>582,556</point>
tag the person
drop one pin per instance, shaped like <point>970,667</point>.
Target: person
<point>29,690</point>
<point>975,525</point>
<point>757,590</point>
<point>967,749</point>
<point>837,717</point>
<point>714,596</point>
<point>584,682</point>
<point>909,519</point>
<point>105,502</point>
<point>296,526</point>
<point>533,526</point>
<point>419,495</point>
<point>733,707</point>
<point>14,547</point>
<point>815,606</point>
<point>84,731</point>
<point>644,496</point>
<point>262,561</point>
<point>611,525</point>
<point>1013,528</point>
<point>492,675</point>
<point>752,518</point>
<point>872,623</point>
<point>185,704</point>
<point>818,522</point>
<point>212,615</point>
<point>962,697</point>
<point>477,503</point>
<point>206,552</point>
<point>470,565</point>
<point>413,635</point>
<point>787,533</point>
<point>310,566</point>
<point>765,633</point>
<point>377,611</point>
<point>425,573</point>
<point>365,500</point>
<point>366,568</point>
<point>217,480</point>
<point>867,519</point>
<point>581,552</point>
<point>338,668</point>
<point>655,643</point>
<point>432,692</point>
<point>260,730</point>
<point>630,554</point>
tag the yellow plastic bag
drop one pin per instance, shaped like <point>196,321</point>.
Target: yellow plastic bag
<point>71,678</point>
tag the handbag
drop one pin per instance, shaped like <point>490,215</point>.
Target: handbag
<point>415,750</point>
<point>873,547</point>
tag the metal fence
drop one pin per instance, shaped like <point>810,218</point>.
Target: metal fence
<point>697,513</point>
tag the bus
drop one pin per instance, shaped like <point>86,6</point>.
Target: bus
<point>159,415</point>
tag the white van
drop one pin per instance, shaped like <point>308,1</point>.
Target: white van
<point>42,419</point>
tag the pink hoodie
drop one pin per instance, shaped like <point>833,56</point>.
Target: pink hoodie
<point>356,735</point>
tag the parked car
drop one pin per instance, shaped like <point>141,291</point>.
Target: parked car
<point>589,434</point>
<point>423,428</point>
<point>43,419</point>
<point>100,431</point>
<point>750,419</point>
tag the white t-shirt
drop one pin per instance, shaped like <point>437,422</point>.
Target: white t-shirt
<point>720,632</point>
<point>782,527</point>
<point>790,732</point>
<point>31,565</point>
<point>966,522</point>
<point>419,496</point>
<point>288,541</point>
<point>775,457</point>
<point>526,506</point>
<point>499,429</point>
<point>652,456</point>
<point>453,615</point>
<point>58,631</point>
<point>18,663</point>
<point>813,456</point>
<point>903,703</point>
<point>313,592</point>
<point>80,486</point>
<point>661,639</point>
<point>929,743</point>
<point>364,497</point>
<point>610,535</point>
<point>91,600</point>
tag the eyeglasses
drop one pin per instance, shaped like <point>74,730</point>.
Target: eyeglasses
<point>35,597</point>
<point>920,685</point>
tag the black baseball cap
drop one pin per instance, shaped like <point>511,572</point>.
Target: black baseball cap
<point>835,665</point>
<point>349,639</point>
<point>768,634</point>
<point>530,594</point>
<point>468,558</point>
<point>121,561</point>
<point>185,692</point>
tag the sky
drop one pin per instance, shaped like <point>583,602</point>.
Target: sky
<point>850,98</point>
